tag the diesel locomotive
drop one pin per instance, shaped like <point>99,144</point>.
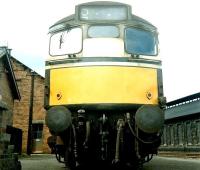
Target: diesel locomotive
<point>103,87</point>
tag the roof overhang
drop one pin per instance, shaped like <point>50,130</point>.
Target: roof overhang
<point>186,106</point>
<point>5,56</point>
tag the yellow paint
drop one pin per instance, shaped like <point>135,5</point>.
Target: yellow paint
<point>103,84</point>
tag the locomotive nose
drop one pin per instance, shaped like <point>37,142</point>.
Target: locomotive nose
<point>58,118</point>
<point>149,118</point>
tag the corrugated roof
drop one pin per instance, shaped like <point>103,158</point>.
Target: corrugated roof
<point>184,99</point>
<point>185,106</point>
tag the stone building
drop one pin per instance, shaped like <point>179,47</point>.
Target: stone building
<point>9,92</point>
<point>31,87</point>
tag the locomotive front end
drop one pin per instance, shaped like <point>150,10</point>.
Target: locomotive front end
<point>103,86</point>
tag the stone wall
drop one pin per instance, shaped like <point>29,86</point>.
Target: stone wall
<point>38,109</point>
<point>21,108</point>
<point>6,100</point>
<point>5,96</point>
<point>8,160</point>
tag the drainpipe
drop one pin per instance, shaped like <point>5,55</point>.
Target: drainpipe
<point>29,142</point>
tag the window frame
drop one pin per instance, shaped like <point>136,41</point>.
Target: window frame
<point>66,54</point>
<point>155,35</point>
<point>103,25</point>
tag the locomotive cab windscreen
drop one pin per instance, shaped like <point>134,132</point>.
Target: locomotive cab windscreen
<point>140,42</point>
<point>66,42</point>
<point>102,34</point>
<point>103,86</point>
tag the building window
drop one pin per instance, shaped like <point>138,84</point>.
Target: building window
<point>37,129</point>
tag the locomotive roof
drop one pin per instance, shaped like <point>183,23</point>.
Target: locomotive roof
<point>103,3</point>
<point>135,21</point>
<point>71,21</point>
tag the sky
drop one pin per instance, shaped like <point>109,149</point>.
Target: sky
<point>24,28</point>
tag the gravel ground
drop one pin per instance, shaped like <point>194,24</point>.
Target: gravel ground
<point>163,163</point>
<point>49,162</point>
<point>41,162</point>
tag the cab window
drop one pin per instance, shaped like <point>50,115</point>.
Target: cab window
<point>140,42</point>
<point>103,31</point>
<point>66,42</point>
